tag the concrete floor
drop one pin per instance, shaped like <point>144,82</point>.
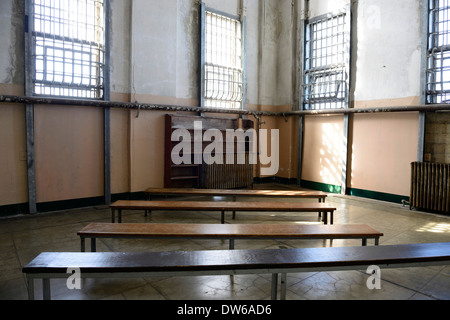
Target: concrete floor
<point>23,238</point>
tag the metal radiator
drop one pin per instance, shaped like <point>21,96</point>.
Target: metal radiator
<point>228,176</point>
<point>430,186</point>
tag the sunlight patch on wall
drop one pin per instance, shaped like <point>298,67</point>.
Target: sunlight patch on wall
<point>332,154</point>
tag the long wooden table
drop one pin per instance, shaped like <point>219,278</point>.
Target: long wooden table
<point>229,232</point>
<point>221,206</point>
<point>52,265</point>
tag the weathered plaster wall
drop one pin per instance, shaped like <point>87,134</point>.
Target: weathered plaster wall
<point>154,59</point>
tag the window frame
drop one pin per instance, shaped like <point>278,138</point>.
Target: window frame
<point>35,76</point>
<point>229,71</point>
<point>334,76</point>
<point>437,54</point>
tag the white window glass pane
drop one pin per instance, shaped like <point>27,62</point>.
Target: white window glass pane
<point>64,58</point>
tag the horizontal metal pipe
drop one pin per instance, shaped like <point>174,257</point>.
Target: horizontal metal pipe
<point>416,108</point>
<point>160,107</point>
<point>124,105</point>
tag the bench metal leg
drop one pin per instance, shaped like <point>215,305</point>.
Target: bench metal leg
<point>93,245</point>
<point>222,219</point>
<point>83,247</point>
<point>274,286</point>
<point>364,242</point>
<point>119,215</point>
<point>113,215</point>
<point>46,289</point>
<point>234,212</point>
<point>231,246</point>
<point>320,213</point>
<point>377,240</point>
<point>283,286</point>
<point>30,283</point>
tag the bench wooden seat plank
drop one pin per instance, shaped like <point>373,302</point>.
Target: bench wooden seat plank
<point>321,196</point>
<point>237,192</point>
<point>226,232</point>
<point>221,206</point>
<point>218,262</point>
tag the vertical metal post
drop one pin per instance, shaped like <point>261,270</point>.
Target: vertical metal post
<point>301,119</point>
<point>423,80</point>
<point>244,69</point>
<point>347,151</point>
<point>298,89</point>
<point>31,173</point>
<point>107,110</point>
<point>29,108</point>
<point>345,137</point>
<point>301,123</point>
<point>201,85</point>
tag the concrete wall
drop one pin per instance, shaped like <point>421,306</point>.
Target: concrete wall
<point>386,66</point>
<point>154,59</point>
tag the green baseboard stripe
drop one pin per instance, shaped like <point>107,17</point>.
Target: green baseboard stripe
<point>378,195</point>
<point>18,209</point>
<point>321,186</point>
<point>13,210</point>
<point>354,192</point>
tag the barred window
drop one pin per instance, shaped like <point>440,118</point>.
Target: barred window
<point>326,71</point>
<point>438,69</point>
<point>68,48</point>
<point>223,80</point>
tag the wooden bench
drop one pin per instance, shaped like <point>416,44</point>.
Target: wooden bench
<point>53,265</point>
<point>321,196</point>
<point>234,193</point>
<point>221,206</point>
<point>229,232</point>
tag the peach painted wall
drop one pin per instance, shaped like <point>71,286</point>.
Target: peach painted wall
<point>147,150</point>
<point>68,152</point>
<point>323,152</point>
<point>288,138</point>
<point>13,165</point>
<point>383,147</point>
<point>288,147</point>
<point>120,146</point>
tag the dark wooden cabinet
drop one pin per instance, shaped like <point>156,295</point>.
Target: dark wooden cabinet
<point>194,172</point>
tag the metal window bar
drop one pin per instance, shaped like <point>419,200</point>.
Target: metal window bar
<point>223,69</point>
<point>438,56</point>
<point>326,74</point>
<point>69,48</point>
